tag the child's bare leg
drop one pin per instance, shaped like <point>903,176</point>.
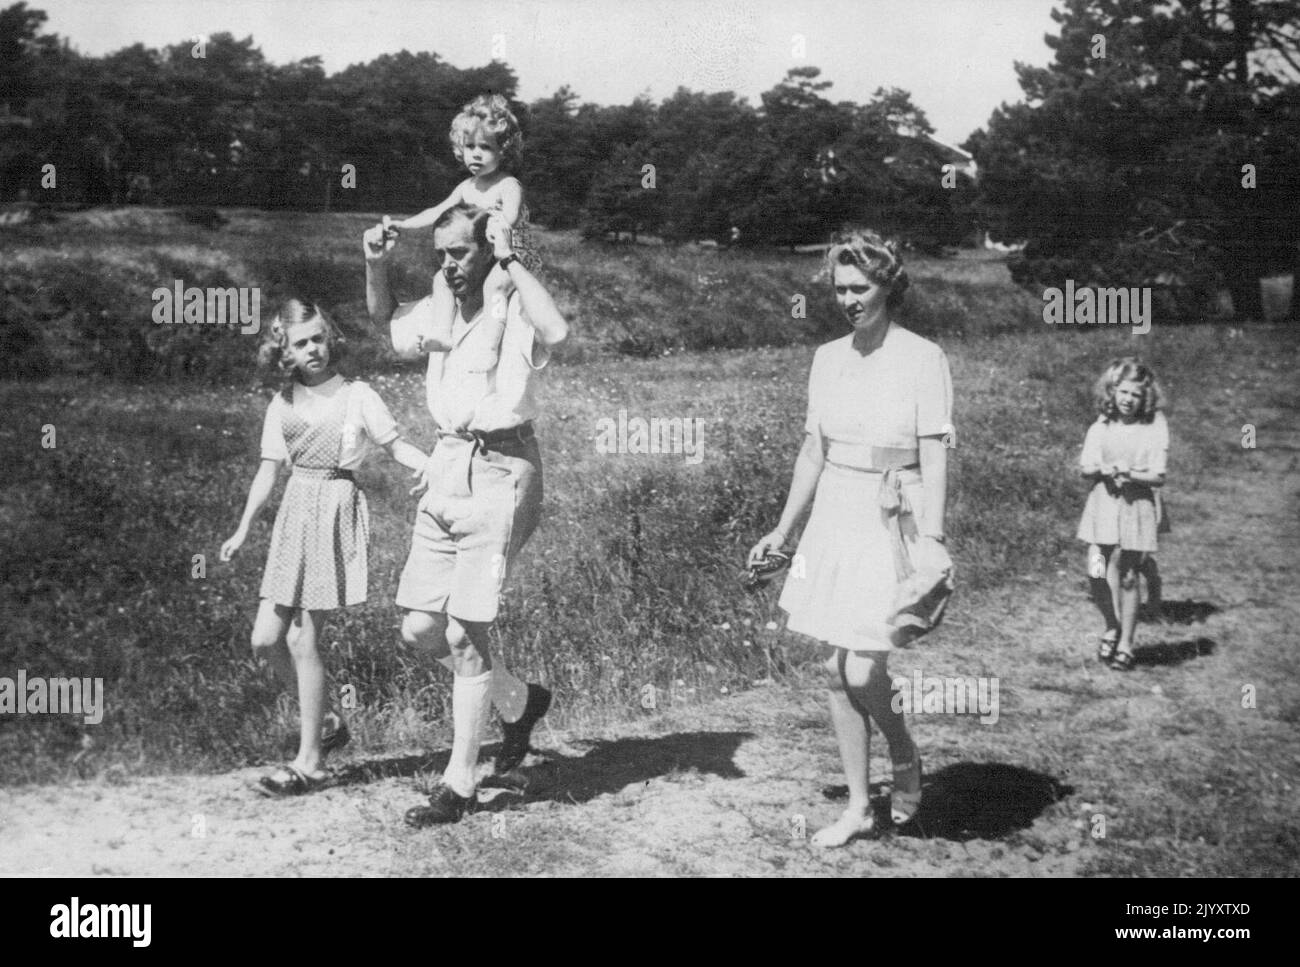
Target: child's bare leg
<point>1155,587</point>
<point>496,294</point>
<point>438,339</point>
<point>311,689</point>
<point>1129,562</point>
<point>1105,591</point>
<point>269,633</point>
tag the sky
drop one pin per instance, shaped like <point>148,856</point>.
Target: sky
<point>956,57</point>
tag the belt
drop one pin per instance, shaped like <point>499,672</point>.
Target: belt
<point>882,459</point>
<point>324,473</point>
<point>492,439</point>
<point>484,440</point>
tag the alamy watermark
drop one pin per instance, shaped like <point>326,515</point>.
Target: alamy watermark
<point>655,435</point>
<point>212,306</point>
<point>935,695</point>
<point>1088,305</point>
<point>53,696</point>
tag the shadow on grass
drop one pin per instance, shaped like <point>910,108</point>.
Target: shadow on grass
<point>1186,612</point>
<point>972,800</point>
<point>1173,652</point>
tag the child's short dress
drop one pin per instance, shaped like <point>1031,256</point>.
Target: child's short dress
<point>1130,518</point>
<point>320,541</point>
<point>869,413</point>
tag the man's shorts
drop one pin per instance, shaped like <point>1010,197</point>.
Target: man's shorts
<point>476,515</point>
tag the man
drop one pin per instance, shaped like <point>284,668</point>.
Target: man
<point>484,476</point>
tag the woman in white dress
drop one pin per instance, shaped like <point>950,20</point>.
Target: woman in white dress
<point>873,465</point>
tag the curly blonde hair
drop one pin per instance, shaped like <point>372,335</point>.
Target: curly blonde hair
<point>876,256</point>
<point>492,113</point>
<point>275,337</point>
<point>1128,368</point>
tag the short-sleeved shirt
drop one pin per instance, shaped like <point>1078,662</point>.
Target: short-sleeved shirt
<point>1138,446</point>
<point>889,398</point>
<point>367,423</point>
<point>477,385</point>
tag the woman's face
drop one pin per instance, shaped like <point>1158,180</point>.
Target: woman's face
<point>861,300</point>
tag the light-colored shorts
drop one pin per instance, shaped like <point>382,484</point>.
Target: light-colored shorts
<point>470,525</point>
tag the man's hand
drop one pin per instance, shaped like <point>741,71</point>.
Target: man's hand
<point>378,241</point>
<point>499,235</point>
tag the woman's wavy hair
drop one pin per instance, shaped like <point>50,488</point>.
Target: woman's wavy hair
<point>271,354</point>
<point>876,256</point>
<point>1120,370</point>
<point>492,113</point>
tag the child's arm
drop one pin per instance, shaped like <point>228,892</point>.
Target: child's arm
<point>427,217</point>
<point>259,492</point>
<point>413,458</point>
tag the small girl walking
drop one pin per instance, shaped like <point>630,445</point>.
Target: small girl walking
<point>485,138</point>
<point>325,427</point>
<point>1124,455</point>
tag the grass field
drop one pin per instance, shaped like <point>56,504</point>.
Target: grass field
<point>633,578</point>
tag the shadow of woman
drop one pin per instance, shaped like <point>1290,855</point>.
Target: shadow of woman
<point>976,800</point>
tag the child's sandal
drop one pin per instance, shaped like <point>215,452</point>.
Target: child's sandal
<point>289,781</point>
<point>1122,662</point>
<point>1109,642</point>
<point>904,804</point>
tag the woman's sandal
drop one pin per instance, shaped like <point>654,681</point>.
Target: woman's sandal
<point>903,805</point>
<point>1122,662</point>
<point>289,780</point>
<point>1109,642</point>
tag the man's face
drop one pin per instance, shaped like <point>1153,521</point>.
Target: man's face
<point>464,263</point>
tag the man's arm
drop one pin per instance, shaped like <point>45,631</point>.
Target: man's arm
<point>539,307</point>
<point>380,304</point>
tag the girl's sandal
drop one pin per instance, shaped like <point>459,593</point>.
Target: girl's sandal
<point>903,805</point>
<point>289,780</point>
<point>1122,662</point>
<point>1109,642</point>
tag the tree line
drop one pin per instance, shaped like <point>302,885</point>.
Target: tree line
<point>1159,147</point>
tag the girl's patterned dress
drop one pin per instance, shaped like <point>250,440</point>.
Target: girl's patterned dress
<point>319,543</point>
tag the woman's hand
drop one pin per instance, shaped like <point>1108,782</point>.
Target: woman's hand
<point>932,553</point>
<point>232,546</point>
<point>772,542</point>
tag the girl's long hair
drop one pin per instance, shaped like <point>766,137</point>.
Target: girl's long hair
<point>1123,369</point>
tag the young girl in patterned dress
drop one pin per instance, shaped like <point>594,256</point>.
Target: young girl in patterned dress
<point>1124,456</point>
<point>485,137</point>
<point>324,426</point>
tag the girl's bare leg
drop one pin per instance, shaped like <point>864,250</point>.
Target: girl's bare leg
<point>1106,593</point>
<point>311,689</point>
<point>269,633</point>
<point>1129,596</point>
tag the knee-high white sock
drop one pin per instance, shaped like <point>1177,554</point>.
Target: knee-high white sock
<point>469,705</point>
<point>508,693</point>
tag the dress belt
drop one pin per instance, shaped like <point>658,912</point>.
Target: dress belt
<point>324,473</point>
